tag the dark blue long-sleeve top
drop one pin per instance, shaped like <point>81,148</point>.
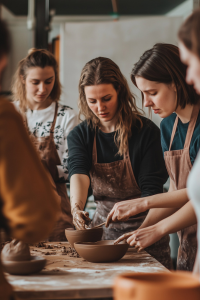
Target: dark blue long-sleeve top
<point>144,149</point>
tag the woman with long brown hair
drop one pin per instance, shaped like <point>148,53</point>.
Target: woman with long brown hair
<point>36,91</point>
<point>160,76</point>
<point>116,150</point>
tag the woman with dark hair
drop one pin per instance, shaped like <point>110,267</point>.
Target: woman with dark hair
<point>189,44</point>
<point>160,76</point>
<point>116,150</point>
<point>36,91</point>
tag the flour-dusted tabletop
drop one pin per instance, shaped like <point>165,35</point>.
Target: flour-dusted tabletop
<point>67,277</point>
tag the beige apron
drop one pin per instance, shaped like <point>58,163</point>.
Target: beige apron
<point>114,182</point>
<point>178,165</point>
<point>49,156</point>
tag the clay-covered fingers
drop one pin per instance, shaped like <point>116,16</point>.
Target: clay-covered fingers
<point>86,217</point>
<point>81,219</point>
<point>78,224</point>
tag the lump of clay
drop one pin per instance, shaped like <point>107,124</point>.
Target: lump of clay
<point>15,251</point>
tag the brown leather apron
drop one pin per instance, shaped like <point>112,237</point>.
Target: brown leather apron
<point>114,182</point>
<point>178,165</point>
<point>49,156</point>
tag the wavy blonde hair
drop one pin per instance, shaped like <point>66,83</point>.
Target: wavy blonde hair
<point>36,58</point>
<point>103,70</point>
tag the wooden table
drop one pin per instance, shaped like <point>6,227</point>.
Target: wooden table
<point>66,277</point>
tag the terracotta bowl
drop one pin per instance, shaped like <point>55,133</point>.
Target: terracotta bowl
<point>102,251</point>
<point>87,235</point>
<point>35,265</point>
<point>156,286</point>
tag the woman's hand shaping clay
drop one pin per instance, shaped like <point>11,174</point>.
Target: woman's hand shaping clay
<point>142,238</point>
<point>123,210</point>
<point>80,218</point>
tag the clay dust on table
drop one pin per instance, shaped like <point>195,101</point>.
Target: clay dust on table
<point>57,249</point>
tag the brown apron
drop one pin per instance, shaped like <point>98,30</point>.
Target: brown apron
<point>178,165</point>
<point>114,182</point>
<point>49,156</point>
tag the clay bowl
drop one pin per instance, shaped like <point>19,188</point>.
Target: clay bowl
<point>87,235</point>
<point>102,251</point>
<point>155,286</point>
<point>35,265</point>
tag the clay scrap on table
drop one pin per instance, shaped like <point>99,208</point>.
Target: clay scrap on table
<point>55,249</point>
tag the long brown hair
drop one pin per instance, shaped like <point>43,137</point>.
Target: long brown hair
<point>189,32</point>
<point>36,58</point>
<point>162,64</point>
<point>103,70</point>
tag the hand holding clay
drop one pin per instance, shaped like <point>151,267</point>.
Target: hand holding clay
<point>15,251</point>
<point>123,210</point>
<point>80,218</point>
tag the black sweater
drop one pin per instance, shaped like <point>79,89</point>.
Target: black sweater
<point>144,149</point>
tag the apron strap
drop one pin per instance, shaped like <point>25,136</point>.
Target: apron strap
<point>191,127</point>
<point>192,124</point>
<point>24,117</point>
<point>54,120</point>
<point>173,132</point>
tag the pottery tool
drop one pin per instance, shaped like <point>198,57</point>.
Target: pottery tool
<point>97,226</point>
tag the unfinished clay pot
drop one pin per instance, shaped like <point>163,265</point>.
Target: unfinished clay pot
<point>102,251</point>
<point>15,251</point>
<point>17,260</point>
<point>35,265</point>
<point>87,235</point>
<point>157,286</point>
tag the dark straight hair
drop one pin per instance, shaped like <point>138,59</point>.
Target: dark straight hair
<point>5,41</point>
<point>162,64</point>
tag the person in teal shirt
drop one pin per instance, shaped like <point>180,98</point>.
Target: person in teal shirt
<point>160,76</point>
<point>166,127</point>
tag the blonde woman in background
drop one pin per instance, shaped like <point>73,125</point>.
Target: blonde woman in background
<point>36,91</point>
